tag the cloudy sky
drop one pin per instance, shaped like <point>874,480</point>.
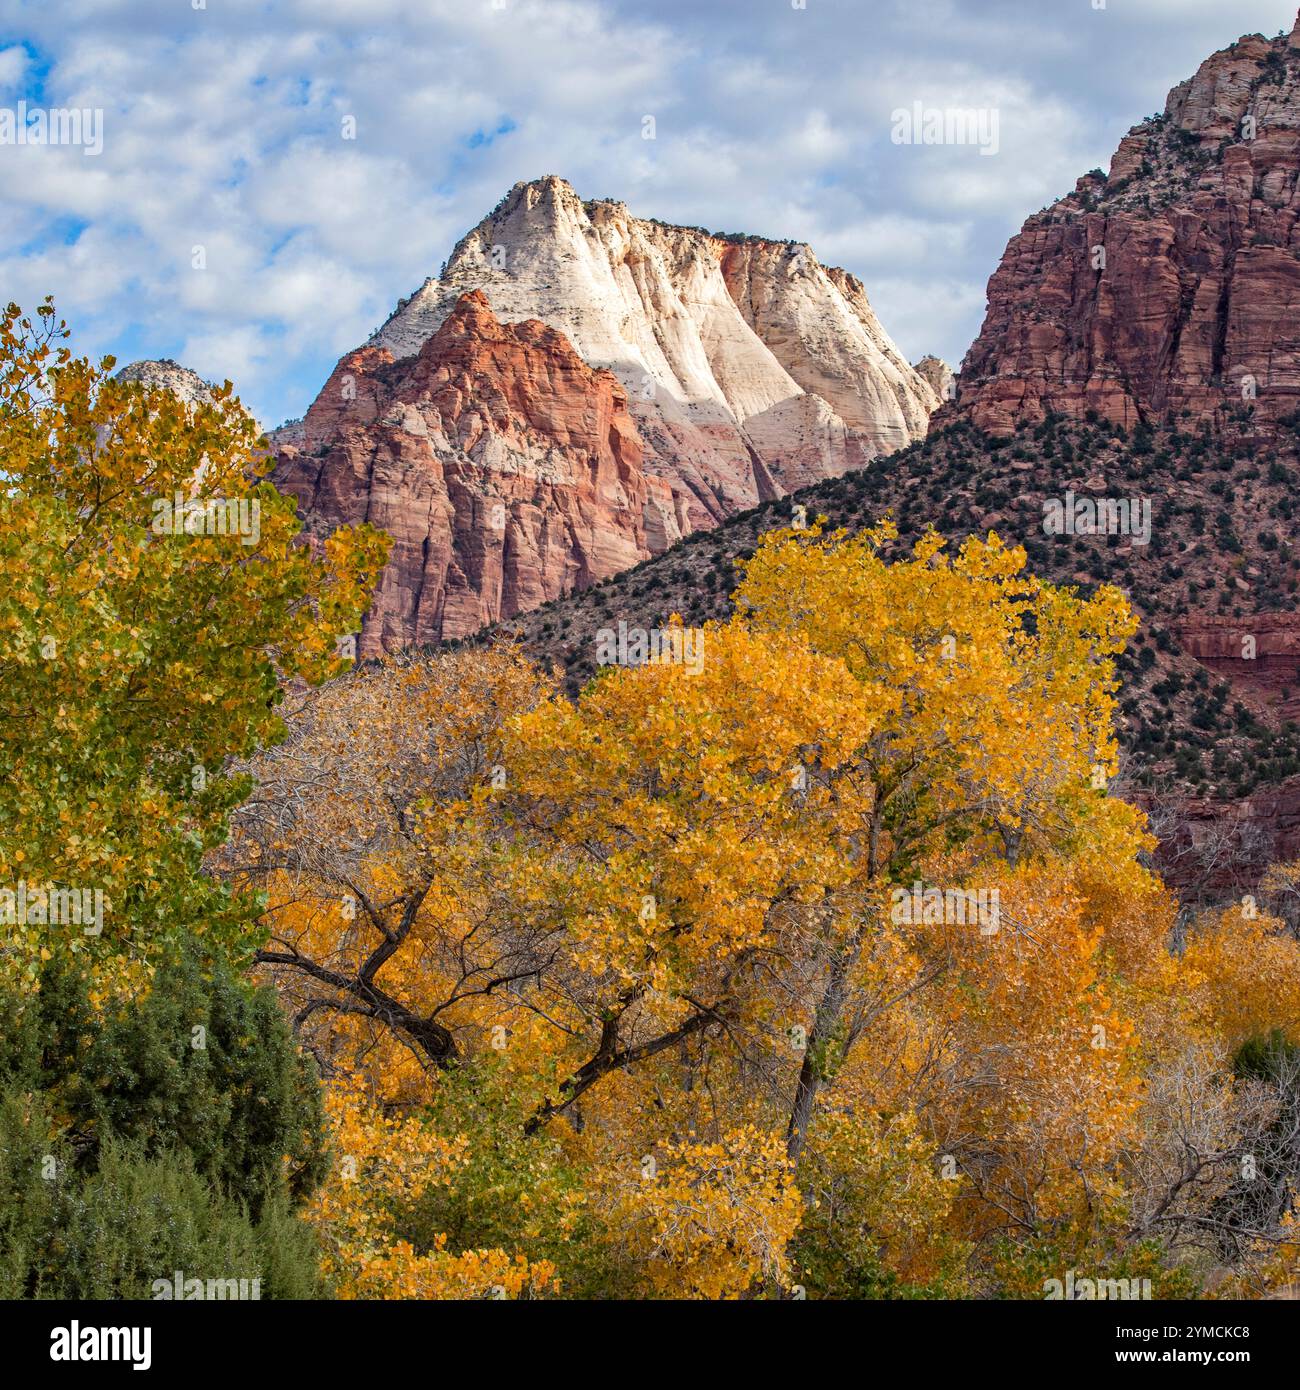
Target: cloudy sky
<point>225,125</point>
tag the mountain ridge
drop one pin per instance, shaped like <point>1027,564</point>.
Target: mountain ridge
<point>746,369</point>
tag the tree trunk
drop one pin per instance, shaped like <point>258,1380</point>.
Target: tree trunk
<point>826,1021</point>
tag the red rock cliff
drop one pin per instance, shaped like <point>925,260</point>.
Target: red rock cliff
<point>1171,284</point>
<point>507,471</point>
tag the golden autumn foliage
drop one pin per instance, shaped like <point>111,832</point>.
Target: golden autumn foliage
<point>137,660</point>
<point>1240,970</point>
<point>380,1163</point>
<point>670,990</point>
<point>710,1219</point>
<point>828,966</point>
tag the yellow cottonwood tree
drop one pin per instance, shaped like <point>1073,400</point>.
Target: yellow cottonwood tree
<point>674,913</point>
<point>381,1163</point>
<point>137,659</point>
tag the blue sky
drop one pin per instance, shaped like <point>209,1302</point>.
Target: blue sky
<point>224,128</point>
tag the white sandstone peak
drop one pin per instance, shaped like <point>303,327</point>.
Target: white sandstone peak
<point>751,369</point>
<point>940,376</point>
<point>165,374</point>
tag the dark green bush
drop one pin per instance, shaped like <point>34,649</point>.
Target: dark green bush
<point>113,1232</point>
<point>154,1138</point>
<point>237,1103</point>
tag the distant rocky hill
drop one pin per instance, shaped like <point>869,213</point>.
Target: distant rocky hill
<point>939,376</point>
<point>164,374</point>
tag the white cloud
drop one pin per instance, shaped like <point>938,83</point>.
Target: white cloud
<point>223,127</point>
<point>13,64</point>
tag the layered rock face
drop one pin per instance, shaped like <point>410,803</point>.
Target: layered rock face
<point>579,390</point>
<point>1259,654</point>
<point>1166,291</point>
<point>750,368</point>
<point>1171,284</point>
<point>507,471</point>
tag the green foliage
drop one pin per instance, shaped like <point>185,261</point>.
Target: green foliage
<point>238,1104</point>
<point>515,1192</point>
<point>127,1153</point>
<point>1265,1059</point>
<point>29,1207</point>
<point>155,1111</point>
<point>140,648</point>
<point>1023,1269</point>
<point>833,1261</point>
<point>137,1219</point>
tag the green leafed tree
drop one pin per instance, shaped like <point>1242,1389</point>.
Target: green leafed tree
<point>154,599</point>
